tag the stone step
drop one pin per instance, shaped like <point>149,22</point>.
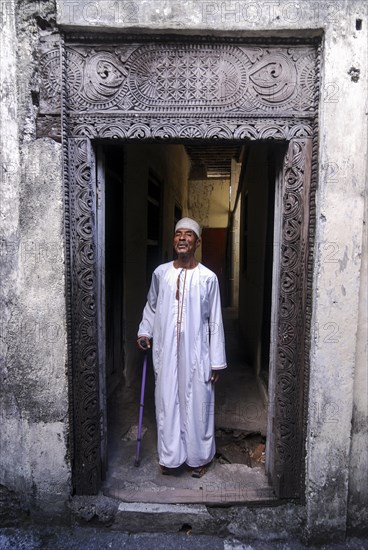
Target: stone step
<point>157,517</point>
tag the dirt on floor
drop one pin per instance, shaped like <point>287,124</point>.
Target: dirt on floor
<point>239,447</point>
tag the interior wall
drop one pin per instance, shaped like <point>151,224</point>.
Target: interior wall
<point>251,278</point>
<point>208,203</point>
<point>235,237</point>
<point>170,164</point>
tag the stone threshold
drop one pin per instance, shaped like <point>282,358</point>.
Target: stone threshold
<point>208,494</point>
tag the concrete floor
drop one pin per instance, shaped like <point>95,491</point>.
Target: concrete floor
<point>87,538</point>
<point>240,414</point>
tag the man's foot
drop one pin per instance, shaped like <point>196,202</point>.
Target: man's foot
<point>165,471</point>
<point>199,471</point>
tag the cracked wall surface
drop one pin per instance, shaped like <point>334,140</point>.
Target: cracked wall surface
<point>34,402</point>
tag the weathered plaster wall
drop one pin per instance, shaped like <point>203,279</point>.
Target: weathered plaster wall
<point>34,405</point>
<point>9,205</point>
<point>340,203</point>
<point>208,201</point>
<point>358,475</point>
<point>193,15</point>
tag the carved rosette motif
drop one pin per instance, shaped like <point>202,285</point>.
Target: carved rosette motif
<point>185,91</point>
<point>84,316</point>
<point>50,72</point>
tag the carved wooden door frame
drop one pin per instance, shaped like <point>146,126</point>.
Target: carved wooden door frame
<point>175,89</point>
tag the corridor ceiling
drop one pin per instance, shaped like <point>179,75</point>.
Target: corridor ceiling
<point>211,161</point>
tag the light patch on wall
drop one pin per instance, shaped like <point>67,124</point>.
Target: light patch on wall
<point>209,201</point>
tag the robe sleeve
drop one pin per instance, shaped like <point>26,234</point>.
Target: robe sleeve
<point>146,325</point>
<point>217,337</point>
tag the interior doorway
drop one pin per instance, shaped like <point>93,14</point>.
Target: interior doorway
<point>141,190</point>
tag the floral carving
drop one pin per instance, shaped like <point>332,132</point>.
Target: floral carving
<point>51,83</point>
<point>103,77</point>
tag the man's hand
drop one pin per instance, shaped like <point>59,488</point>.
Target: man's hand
<point>215,376</point>
<point>143,343</point>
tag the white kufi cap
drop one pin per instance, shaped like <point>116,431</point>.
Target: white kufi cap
<point>188,223</point>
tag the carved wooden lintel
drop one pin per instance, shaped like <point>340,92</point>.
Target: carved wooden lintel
<point>173,78</point>
<point>171,128</point>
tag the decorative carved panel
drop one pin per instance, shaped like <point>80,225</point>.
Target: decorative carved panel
<point>289,375</point>
<point>110,126</point>
<point>82,236</point>
<point>179,78</point>
<point>186,91</point>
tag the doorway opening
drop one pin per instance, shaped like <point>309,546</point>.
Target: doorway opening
<point>232,190</point>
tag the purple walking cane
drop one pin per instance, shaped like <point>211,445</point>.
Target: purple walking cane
<point>141,405</point>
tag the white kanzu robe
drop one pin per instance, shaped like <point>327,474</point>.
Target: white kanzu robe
<point>188,342</point>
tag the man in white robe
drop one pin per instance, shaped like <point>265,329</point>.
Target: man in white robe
<point>183,317</point>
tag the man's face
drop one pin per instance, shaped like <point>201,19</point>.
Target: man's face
<point>185,242</point>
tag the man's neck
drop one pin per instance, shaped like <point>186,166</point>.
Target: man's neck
<point>184,262</point>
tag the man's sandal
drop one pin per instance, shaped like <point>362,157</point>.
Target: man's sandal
<point>164,470</point>
<point>199,472</point>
